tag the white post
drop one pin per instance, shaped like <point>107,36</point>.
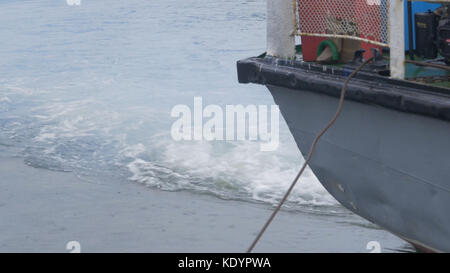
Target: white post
<point>280,29</point>
<point>397,38</point>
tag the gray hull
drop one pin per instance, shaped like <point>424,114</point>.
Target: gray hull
<point>390,167</point>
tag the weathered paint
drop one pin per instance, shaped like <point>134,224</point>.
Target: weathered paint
<point>280,29</point>
<point>397,38</point>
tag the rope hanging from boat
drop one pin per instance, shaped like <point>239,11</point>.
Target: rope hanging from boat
<point>308,159</point>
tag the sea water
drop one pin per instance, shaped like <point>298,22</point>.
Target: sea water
<point>89,88</point>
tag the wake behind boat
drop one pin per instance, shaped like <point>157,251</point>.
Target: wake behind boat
<point>385,159</point>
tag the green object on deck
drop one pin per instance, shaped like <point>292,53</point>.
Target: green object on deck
<point>413,72</point>
<point>332,46</point>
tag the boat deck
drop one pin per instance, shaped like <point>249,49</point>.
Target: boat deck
<point>421,98</point>
<point>415,73</point>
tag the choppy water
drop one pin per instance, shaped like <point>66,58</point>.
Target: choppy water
<point>89,89</point>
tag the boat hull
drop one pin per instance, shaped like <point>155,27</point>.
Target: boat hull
<point>388,166</point>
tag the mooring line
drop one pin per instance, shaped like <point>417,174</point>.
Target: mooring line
<point>308,159</point>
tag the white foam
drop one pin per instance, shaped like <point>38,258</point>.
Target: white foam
<point>233,169</point>
<point>73,119</point>
<point>5,99</point>
<point>133,151</point>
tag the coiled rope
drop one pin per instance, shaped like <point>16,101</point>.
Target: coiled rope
<point>308,159</point>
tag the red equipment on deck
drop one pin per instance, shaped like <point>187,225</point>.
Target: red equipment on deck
<point>314,15</point>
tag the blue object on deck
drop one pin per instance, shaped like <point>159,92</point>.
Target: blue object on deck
<point>416,7</point>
